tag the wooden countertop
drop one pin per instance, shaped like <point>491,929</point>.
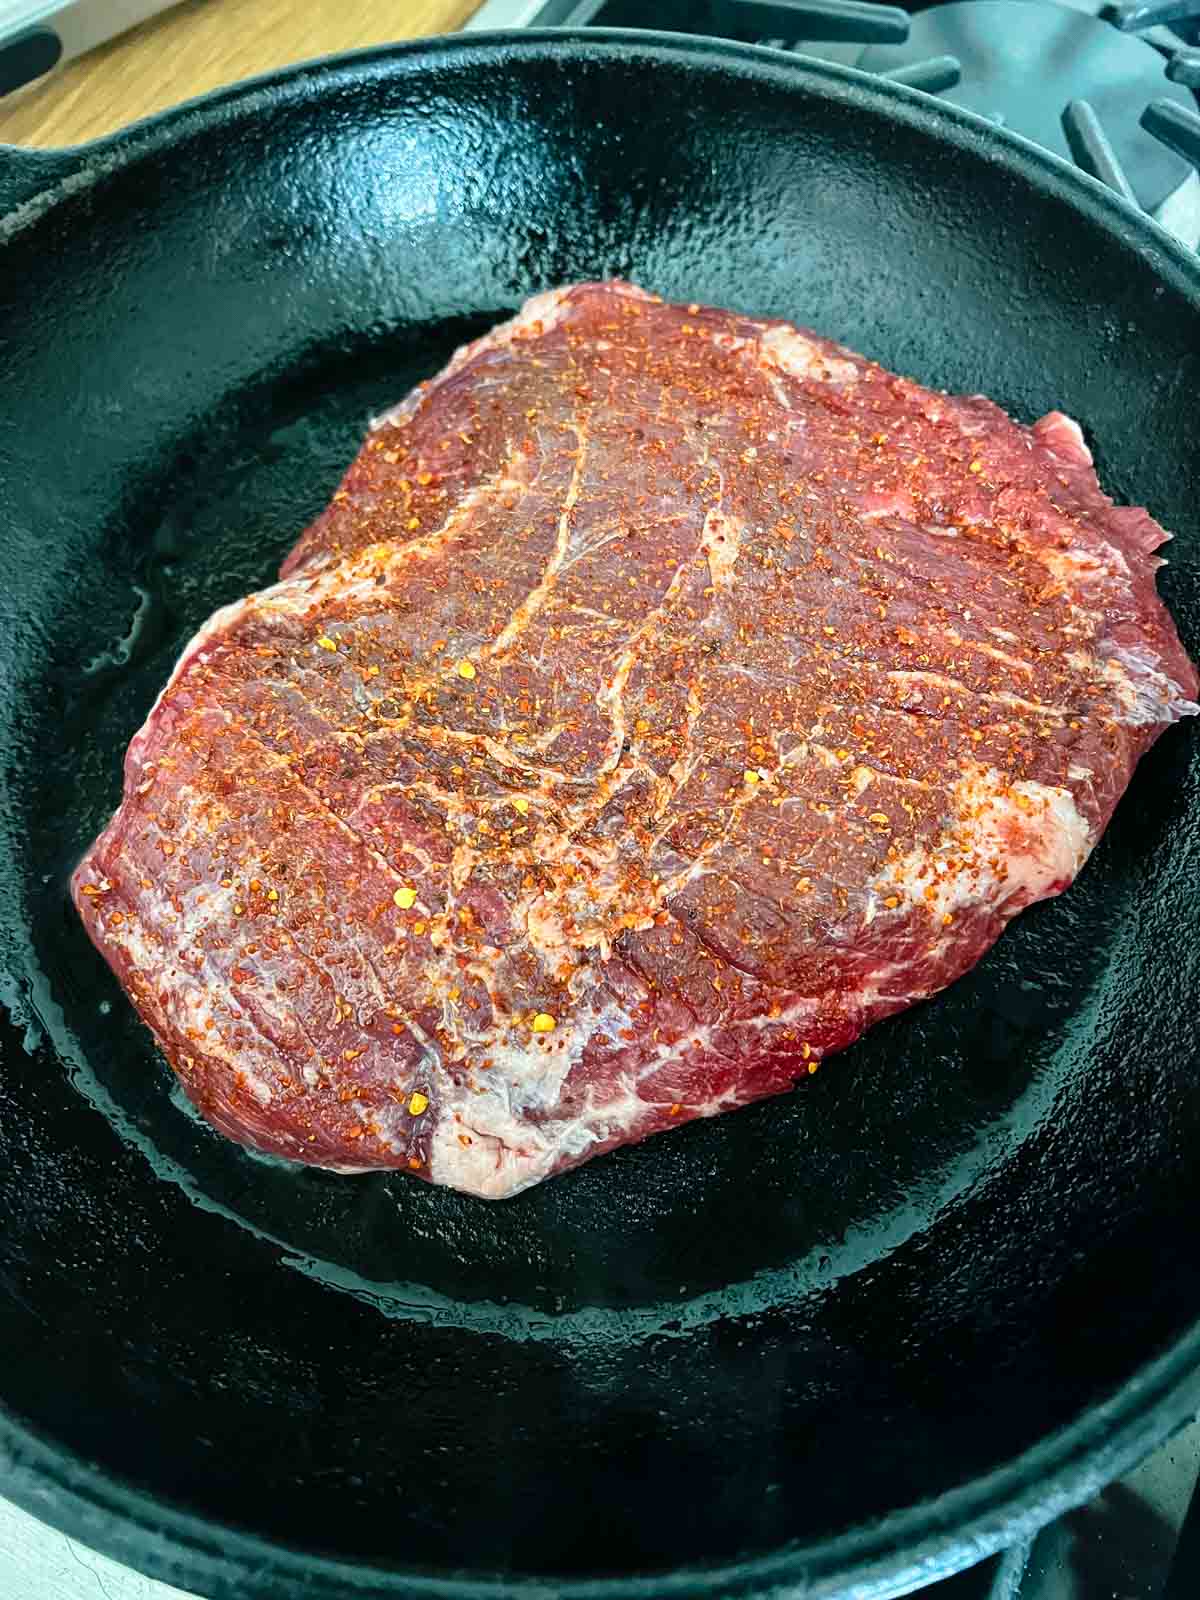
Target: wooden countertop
<point>201,45</point>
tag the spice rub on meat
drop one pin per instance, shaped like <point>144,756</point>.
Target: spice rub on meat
<point>665,697</point>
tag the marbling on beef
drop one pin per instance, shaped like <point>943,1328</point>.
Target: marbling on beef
<point>665,697</point>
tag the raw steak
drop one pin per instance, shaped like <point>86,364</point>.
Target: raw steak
<point>665,697</point>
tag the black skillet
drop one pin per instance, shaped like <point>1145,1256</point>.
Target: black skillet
<point>859,1335</point>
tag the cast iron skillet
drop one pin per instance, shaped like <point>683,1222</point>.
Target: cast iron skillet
<point>862,1334</point>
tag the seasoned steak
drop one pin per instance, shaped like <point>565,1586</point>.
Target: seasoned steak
<point>665,697</point>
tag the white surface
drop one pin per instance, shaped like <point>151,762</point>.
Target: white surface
<point>16,15</point>
<point>504,14</point>
<point>81,25</point>
<point>37,1563</point>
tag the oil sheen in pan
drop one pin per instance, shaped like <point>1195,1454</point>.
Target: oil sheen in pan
<point>986,1067</point>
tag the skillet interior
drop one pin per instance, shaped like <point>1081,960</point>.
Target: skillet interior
<point>767,1331</point>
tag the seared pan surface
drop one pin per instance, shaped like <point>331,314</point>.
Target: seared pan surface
<point>764,1330</point>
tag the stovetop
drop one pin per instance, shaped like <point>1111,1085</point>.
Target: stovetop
<point>1129,1543</point>
<point>1119,98</point>
<point>1110,86</point>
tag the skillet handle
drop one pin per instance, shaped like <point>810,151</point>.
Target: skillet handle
<point>27,174</point>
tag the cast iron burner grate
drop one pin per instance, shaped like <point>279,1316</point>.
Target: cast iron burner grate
<point>1108,86</point>
<point>1111,87</point>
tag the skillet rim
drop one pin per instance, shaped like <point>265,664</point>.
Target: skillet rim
<point>912,1546</point>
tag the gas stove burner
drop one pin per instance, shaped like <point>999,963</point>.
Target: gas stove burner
<point>1022,62</point>
<point>1075,76</point>
<point>1182,17</point>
